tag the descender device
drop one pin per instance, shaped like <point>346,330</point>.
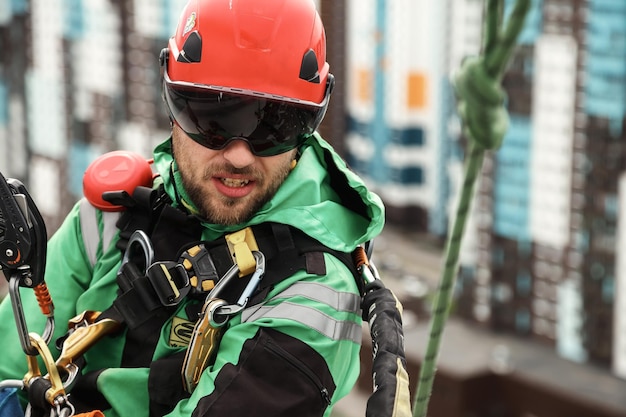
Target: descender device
<point>23,243</point>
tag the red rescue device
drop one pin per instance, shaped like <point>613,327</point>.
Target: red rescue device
<point>115,171</point>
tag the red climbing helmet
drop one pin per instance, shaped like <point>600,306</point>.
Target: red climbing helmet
<point>248,69</point>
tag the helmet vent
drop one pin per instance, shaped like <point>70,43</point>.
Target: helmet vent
<point>192,49</point>
<point>309,70</point>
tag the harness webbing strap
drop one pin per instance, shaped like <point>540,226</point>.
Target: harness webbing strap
<point>89,229</point>
<point>91,234</point>
<point>171,231</point>
<point>286,250</point>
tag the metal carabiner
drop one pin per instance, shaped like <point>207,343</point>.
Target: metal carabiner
<point>86,330</point>
<point>220,315</point>
<point>64,409</point>
<point>56,392</point>
<point>141,239</point>
<point>215,314</point>
<point>202,346</point>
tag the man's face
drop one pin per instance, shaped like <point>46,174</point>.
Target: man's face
<point>228,186</point>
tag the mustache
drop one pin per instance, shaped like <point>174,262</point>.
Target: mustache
<point>248,171</point>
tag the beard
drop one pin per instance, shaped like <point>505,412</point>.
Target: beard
<point>219,209</point>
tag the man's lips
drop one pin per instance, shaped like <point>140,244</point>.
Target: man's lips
<point>233,186</point>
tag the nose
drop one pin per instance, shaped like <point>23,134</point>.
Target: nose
<point>238,153</point>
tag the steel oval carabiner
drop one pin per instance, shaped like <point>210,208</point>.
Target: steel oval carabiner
<point>141,240</point>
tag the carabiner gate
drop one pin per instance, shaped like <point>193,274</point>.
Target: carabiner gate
<point>214,316</point>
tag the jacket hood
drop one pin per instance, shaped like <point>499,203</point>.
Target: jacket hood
<point>321,197</point>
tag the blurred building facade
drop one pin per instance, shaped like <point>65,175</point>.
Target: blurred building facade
<point>543,255</point>
<point>78,78</point>
<point>547,253</point>
<point>402,133</point>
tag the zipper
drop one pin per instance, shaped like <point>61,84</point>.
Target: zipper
<point>302,368</point>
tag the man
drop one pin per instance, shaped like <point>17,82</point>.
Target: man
<point>246,84</point>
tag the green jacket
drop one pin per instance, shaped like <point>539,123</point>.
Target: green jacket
<point>315,310</point>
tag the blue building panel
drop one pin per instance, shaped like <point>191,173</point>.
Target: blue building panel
<point>510,195</point>
<point>608,290</point>
<point>411,175</point>
<point>613,107</point>
<point>612,6</point>
<point>359,127</point>
<point>170,15</point>
<point>611,206</point>
<point>523,284</point>
<point>449,152</point>
<point>358,165</point>
<point>605,85</point>
<point>73,19</point>
<point>19,6</point>
<point>511,182</point>
<point>609,66</point>
<point>606,20</point>
<point>10,8</point>
<point>533,24</point>
<point>522,320</point>
<point>412,136</point>
<point>510,224</point>
<point>600,86</point>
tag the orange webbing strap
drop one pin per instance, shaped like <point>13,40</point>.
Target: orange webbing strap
<point>94,413</point>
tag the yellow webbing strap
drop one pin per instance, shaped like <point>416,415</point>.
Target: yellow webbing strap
<point>241,244</point>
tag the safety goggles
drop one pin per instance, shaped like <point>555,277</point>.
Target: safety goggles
<point>215,116</point>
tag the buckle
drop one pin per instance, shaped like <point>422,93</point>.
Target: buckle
<point>201,269</point>
<point>241,244</point>
<point>170,282</point>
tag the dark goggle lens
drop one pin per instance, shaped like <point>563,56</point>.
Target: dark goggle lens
<point>214,118</point>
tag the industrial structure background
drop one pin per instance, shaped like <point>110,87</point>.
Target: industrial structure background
<point>544,257</point>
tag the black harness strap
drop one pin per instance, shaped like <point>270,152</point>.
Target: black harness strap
<point>286,250</point>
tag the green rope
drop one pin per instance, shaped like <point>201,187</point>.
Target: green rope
<point>485,122</point>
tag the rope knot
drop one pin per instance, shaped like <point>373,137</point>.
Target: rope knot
<point>481,104</point>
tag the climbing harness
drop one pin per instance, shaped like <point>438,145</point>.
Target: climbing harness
<point>205,269</point>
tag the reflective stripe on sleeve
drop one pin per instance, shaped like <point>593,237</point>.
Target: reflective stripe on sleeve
<point>310,317</point>
<point>339,300</point>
